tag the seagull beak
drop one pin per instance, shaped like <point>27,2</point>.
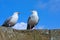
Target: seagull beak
<point>31,11</point>
<point>18,13</point>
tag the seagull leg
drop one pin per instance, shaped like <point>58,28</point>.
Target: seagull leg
<point>9,25</point>
<point>30,27</point>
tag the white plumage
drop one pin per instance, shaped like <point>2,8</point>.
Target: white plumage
<point>11,21</point>
<point>33,20</point>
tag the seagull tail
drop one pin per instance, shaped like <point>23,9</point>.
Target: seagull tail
<point>3,25</point>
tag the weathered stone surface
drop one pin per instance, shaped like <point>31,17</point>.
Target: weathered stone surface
<point>55,34</point>
<point>12,34</point>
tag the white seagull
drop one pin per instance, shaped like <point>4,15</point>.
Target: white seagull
<point>11,21</point>
<point>33,20</point>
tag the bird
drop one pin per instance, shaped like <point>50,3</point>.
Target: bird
<point>32,20</point>
<point>11,21</point>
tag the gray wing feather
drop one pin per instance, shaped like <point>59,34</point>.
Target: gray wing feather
<point>29,19</point>
<point>7,20</point>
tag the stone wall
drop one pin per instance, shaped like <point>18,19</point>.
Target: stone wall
<point>12,34</point>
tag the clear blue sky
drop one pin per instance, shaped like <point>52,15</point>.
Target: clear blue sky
<point>48,11</point>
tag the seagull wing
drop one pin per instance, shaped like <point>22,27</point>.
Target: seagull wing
<point>28,25</point>
<point>6,21</point>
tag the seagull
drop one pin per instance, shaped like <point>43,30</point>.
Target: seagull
<point>11,21</point>
<point>32,20</point>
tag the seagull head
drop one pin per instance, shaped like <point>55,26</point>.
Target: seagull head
<point>16,13</point>
<point>34,12</point>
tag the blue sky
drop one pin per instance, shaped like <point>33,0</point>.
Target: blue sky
<point>48,11</point>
